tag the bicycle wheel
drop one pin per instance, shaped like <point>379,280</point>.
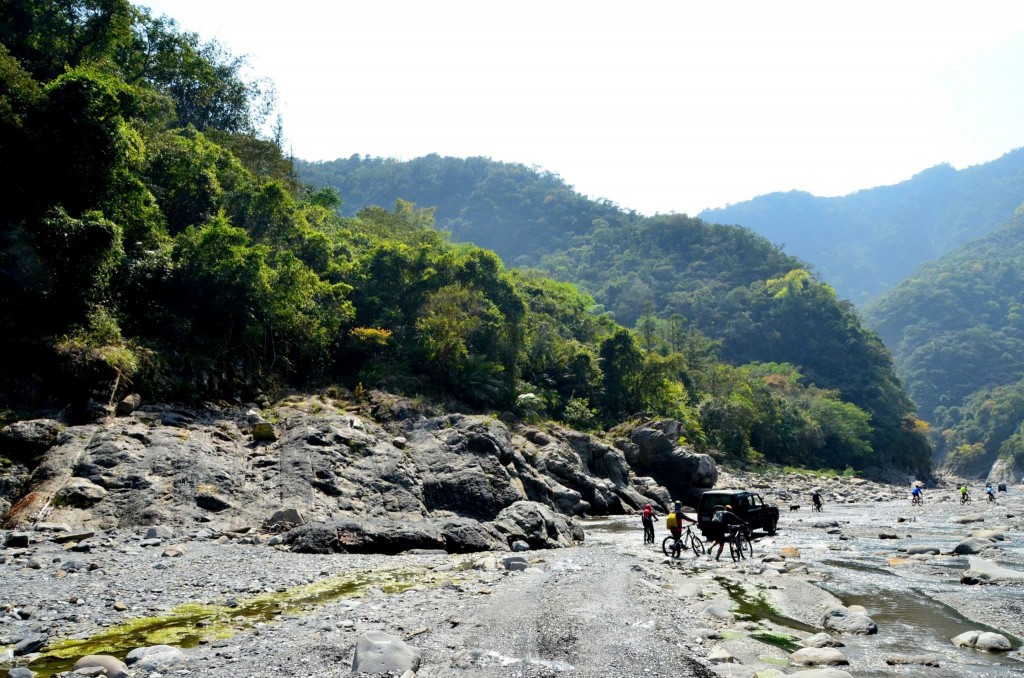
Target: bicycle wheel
<point>697,545</point>
<point>666,546</point>
<point>745,546</point>
<point>734,551</point>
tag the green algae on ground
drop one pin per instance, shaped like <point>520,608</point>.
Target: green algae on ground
<point>783,641</point>
<point>192,623</point>
<point>754,608</point>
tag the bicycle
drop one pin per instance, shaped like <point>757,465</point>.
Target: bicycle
<point>740,546</point>
<point>816,507</point>
<point>673,547</point>
<point>649,532</point>
<point>916,500</point>
<point>965,499</point>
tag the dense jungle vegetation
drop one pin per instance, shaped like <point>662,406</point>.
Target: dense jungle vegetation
<point>865,243</point>
<point>664,276</point>
<point>156,241</point>
<point>956,327</point>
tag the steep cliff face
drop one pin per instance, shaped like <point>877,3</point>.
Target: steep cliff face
<point>1006,471</point>
<point>364,469</point>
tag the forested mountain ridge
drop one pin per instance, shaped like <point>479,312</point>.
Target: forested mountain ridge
<point>671,277</point>
<point>519,212</point>
<point>154,242</point>
<point>956,328</point>
<point>867,242</point>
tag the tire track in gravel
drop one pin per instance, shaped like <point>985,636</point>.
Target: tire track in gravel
<point>586,614</point>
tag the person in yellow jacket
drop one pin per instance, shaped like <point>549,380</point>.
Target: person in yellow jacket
<point>674,520</point>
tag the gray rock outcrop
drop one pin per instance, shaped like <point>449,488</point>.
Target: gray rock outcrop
<point>388,476</point>
<point>654,451</point>
<point>1006,471</point>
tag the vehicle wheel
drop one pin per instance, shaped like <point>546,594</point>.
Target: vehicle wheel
<point>772,529</point>
<point>698,546</point>
<point>666,546</point>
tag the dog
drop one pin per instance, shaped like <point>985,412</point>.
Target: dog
<point>794,507</point>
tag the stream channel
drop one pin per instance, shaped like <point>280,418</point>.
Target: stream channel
<point>919,605</point>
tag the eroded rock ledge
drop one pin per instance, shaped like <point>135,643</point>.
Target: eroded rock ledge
<point>385,475</point>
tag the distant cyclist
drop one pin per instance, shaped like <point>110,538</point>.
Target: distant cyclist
<point>916,495</point>
<point>647,518</point>
<point>816,500</point>
<point>964,496</point>
<point>990,491</point>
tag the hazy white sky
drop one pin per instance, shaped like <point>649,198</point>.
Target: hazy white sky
<point>658,106</point>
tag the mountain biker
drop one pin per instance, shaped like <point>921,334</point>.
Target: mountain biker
<point>647,518</point>
<point>990,491</point>
<point>916,493</point>
<point>816,499</point>
<point>674,520</point>
<point>963,492</point>
<point>721,520</point>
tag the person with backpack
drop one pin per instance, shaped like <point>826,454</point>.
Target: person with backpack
<point>721,521</point>
<point>647,518</point>
<point>674,520</point>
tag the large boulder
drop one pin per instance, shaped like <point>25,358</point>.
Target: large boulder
<point>844,620</point>
<point>313,539</point>
<point>80,493</point>
<point>370,535</point>
<point>29,438</point>
<point>537,525</point>
<point>657,454</point>
<point>820,640</point>
<point>112,666</point>
<point>379,652</point>
<point>464,535</point>
<point>819,656</point>
<point>986,641</point>
<point>981,571</point>
<point>972,545</point>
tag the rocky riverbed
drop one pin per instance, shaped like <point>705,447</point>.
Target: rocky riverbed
<point>237,606</point>
<point>318,536</point>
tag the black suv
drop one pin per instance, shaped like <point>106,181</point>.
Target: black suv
<point>748,506</point>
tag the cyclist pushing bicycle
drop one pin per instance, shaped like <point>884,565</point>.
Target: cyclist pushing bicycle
<point>674,521</point>
<point>674,544</point>
<point>724,525</point>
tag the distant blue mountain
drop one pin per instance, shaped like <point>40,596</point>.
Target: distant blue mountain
<point>866,243</point>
